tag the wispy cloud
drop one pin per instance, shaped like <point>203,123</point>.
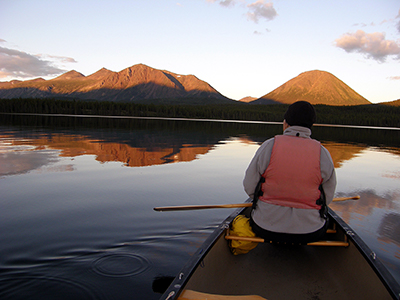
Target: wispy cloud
<point>256,10</point>
<point>225,3</point>
<point>365,25</point>
<point>19,64</point>
<point>260,32</point>
<point>394,77</point>
<point>398,23</point>
<point>261,10</point>
<point>373,45</point>
<point>61,59</point>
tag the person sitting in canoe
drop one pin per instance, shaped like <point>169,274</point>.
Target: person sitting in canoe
<point>291,180</point>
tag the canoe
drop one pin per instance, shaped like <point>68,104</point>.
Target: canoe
<point>275,271</point>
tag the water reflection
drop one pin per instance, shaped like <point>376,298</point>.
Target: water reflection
<point>342,152</point>
<point>34,156</point>
<point>389,229</point>
<point>99,176</point>
<point>20,155</point>
<point>21,152</point>
<point>360,210</point>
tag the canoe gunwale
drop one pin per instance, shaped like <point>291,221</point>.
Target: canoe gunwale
<point>179,282</point>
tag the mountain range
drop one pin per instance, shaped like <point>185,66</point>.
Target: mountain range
<point>138,83</point>
<point>143,84</point>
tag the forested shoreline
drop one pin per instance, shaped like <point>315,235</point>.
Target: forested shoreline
<point>363,115</point>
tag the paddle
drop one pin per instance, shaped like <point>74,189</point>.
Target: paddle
<point>346,198</point>
<point>193,207</point>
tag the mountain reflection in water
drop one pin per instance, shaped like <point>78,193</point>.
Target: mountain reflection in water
<point>367,163</point>
<point>153,150</point>
<point>105,151</point>
<point>135,149</point>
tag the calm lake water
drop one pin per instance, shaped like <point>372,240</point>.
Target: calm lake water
<point>77,198</point>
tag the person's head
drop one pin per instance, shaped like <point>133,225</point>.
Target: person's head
<point>300,113</point>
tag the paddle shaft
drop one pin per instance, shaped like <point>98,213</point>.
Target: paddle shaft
<point>238,205</point>
<point>193,207</point>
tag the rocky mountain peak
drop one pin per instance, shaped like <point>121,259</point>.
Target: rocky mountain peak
<point>70,75</point>
<point>100,74</point>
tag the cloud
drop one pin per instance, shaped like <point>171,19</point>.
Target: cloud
<point>62,59</point>
<point>256,32</point>
<point>394,77</point>
<point>225,3</point>
<point>256,11</point>
<point>398,23</point>
<point>261,10</point>
<point>373,45</point>
<point>365,25</point>
<point>18,64</point>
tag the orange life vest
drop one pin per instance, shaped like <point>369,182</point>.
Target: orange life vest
<point>293,175</point>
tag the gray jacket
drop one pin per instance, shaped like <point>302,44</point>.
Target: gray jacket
<point>287,219</point>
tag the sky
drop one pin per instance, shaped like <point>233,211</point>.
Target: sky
<point>240,47</point>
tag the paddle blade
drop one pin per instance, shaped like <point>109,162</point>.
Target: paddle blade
<point>346,198</point>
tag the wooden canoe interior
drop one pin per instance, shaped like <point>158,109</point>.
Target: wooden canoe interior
<point>288,272</point>
<point>193,295</point>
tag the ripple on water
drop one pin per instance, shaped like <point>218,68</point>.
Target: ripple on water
<point>32,287</point>
<point>120,265</point>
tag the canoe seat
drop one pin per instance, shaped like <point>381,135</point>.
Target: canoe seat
<point>343,243</point>
<point>193,295</point>
<point>260,240</point>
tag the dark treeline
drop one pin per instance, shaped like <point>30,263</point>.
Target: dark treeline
<point>365,115</point>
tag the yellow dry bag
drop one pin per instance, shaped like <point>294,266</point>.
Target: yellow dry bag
<point>241,227</point>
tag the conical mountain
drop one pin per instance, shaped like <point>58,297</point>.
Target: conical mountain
<point>316,87</point>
